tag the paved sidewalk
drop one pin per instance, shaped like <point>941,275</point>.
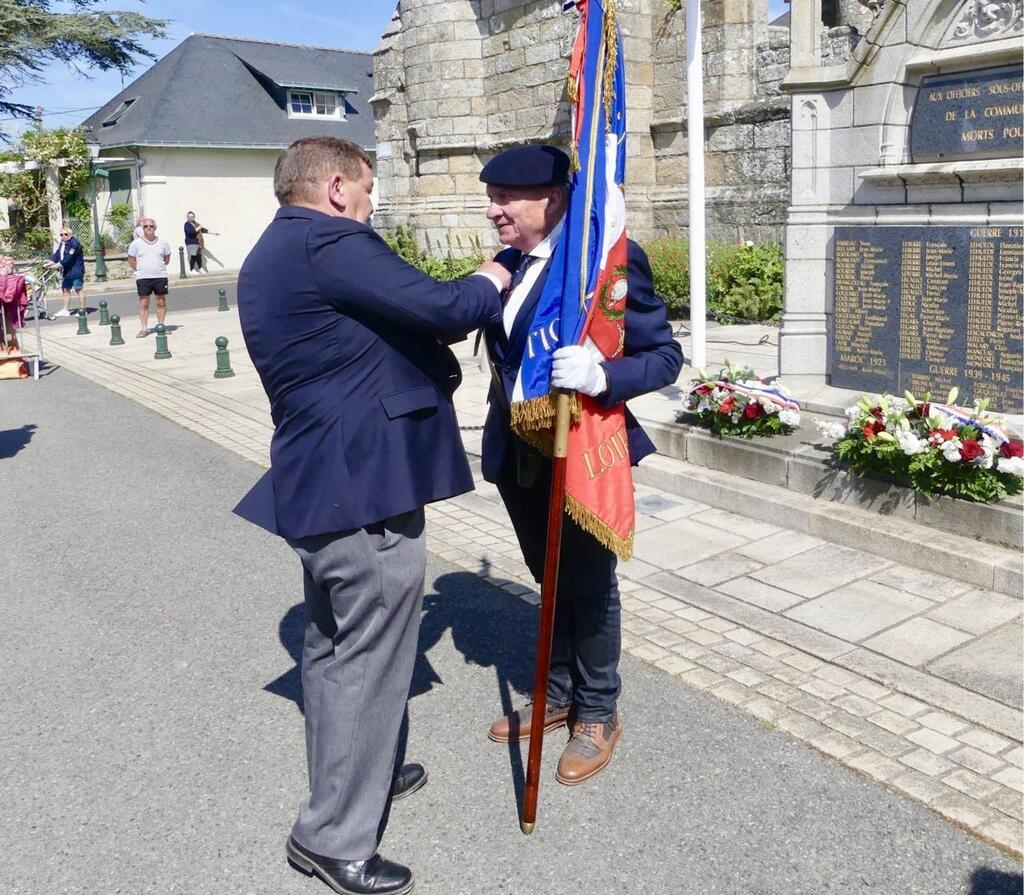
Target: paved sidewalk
<point>909,677</point>
<point>152,730</point>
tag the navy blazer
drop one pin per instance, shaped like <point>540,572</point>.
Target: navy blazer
<point>73,263</point>
<point>346,338</point>
<point>651,360</point>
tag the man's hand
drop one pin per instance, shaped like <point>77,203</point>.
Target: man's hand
<point>498,272</point>
<point>575,368</point>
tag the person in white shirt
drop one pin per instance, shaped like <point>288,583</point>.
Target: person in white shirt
<point>148,257</point>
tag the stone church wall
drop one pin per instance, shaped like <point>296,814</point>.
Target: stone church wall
<point>458,80</point>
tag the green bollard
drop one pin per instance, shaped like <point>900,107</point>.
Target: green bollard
<point>161,343</point>
<point>83,324</point>
<point>115,331</point>
<point>223,370</point>
<point>181,263</point>
<point>104,314</point>
<point>222,300</point>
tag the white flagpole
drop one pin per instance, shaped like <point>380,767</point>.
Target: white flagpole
<point>695,188</point>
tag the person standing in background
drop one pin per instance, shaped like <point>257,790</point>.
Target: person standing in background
<point>148,257</point>
<point>194,241</point>
<point>70,260</point>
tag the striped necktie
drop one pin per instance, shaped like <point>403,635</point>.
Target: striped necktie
<point>517,277</point>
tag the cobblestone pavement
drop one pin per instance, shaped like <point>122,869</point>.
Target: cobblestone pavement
<point>846,652</point>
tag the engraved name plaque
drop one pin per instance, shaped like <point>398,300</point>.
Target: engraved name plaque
<point>929,308</point>
<point>969,115</point>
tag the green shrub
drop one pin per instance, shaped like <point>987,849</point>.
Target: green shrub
<point>670,264</point>
<point>741,281</point>
<point>76,208</point>
<point>121,214</point>
<point>441,267</point>
<point>745,281</point>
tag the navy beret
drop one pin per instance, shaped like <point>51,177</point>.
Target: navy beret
<point>524,166</point>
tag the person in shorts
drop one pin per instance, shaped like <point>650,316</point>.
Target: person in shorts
<point>70,260</point>
<point>148,257</point>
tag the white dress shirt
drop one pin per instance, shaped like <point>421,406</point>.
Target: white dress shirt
<point>540,254</point>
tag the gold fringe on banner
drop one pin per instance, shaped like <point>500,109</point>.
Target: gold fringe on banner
<point>539,413</point>
<point>611,50</point>
<point>586,520</point>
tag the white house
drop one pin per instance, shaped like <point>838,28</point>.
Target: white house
<point>200,131</point>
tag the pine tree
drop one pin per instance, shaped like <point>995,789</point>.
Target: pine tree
<point>33,34</point>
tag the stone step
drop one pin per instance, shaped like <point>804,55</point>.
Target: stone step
<point>802,463</point>
<point>894,536</point>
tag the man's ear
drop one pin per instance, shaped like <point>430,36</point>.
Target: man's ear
<point>335,194</point>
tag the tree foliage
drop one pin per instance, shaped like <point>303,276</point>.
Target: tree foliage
<point>25,187</point>
<point>33,33</point>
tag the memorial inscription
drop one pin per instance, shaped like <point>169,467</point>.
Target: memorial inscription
<point>929,308</point>
<point>968,115</point>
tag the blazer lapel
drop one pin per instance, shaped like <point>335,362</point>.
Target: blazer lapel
<point>521,326</point>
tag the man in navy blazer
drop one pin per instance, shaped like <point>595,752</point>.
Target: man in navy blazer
<point>349,342</point>
<point>69,259</point>
<point>527,192</point>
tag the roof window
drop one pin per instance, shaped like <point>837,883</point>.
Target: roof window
<point>111,119</point>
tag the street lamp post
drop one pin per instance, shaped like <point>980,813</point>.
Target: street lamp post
<point>101,264</point>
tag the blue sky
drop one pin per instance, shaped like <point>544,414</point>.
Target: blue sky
<point>357,25</point>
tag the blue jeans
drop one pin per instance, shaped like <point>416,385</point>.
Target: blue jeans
<point>588,636</point>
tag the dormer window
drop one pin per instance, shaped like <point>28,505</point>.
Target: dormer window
<point>315,104</point>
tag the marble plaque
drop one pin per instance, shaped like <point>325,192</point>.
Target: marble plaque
<point>970,115</point>
<point>929,308</point>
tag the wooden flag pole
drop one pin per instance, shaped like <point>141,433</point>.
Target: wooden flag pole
<point>548,592</point>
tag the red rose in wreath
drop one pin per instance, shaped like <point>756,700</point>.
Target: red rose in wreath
<point>753,410</point>
<point>1013,448</point>
<point>971,450</point>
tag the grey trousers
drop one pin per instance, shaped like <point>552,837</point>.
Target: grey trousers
<point>364,596</point>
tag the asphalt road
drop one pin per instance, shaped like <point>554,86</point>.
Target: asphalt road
<point>151,729</point>
<point>182,295</point>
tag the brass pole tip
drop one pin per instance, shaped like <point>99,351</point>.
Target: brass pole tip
<point>526,828</point>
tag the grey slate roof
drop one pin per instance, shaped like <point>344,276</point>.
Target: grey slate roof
<point>226,91</point>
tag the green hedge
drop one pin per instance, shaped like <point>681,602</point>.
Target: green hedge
<point>742,281</point>
<point>446,267</point>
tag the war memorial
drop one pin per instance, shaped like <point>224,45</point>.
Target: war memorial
<point>906,204</point>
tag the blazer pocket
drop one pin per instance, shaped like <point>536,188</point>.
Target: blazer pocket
<point>420,401</point>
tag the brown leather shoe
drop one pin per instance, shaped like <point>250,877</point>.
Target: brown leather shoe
<point>517,725</point>
<point>588,751</point>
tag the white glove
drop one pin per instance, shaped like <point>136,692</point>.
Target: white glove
<point>575,368</point>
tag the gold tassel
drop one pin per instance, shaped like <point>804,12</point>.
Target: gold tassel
<point>585,519</point>
<point>611,57</point>
<point>537,413</point>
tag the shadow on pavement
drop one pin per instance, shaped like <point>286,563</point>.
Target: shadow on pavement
<point>289,629</point>
<point>489,628</point>
<point>994,882</point>
<point>13,440</point>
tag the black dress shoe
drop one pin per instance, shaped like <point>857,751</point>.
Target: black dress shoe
<point>377,876</point>
<point>410,778</point>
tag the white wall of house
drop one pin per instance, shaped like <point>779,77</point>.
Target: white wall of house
<point>230,190</point>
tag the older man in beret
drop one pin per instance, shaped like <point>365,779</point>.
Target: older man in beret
<point>527,189</point>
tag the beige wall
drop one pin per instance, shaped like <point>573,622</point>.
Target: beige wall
<point>230,190</point>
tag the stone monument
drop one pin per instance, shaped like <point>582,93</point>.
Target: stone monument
<point>458,80</point>
<point>904,232</point>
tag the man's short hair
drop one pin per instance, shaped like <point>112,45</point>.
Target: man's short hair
<point>303,167</point>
